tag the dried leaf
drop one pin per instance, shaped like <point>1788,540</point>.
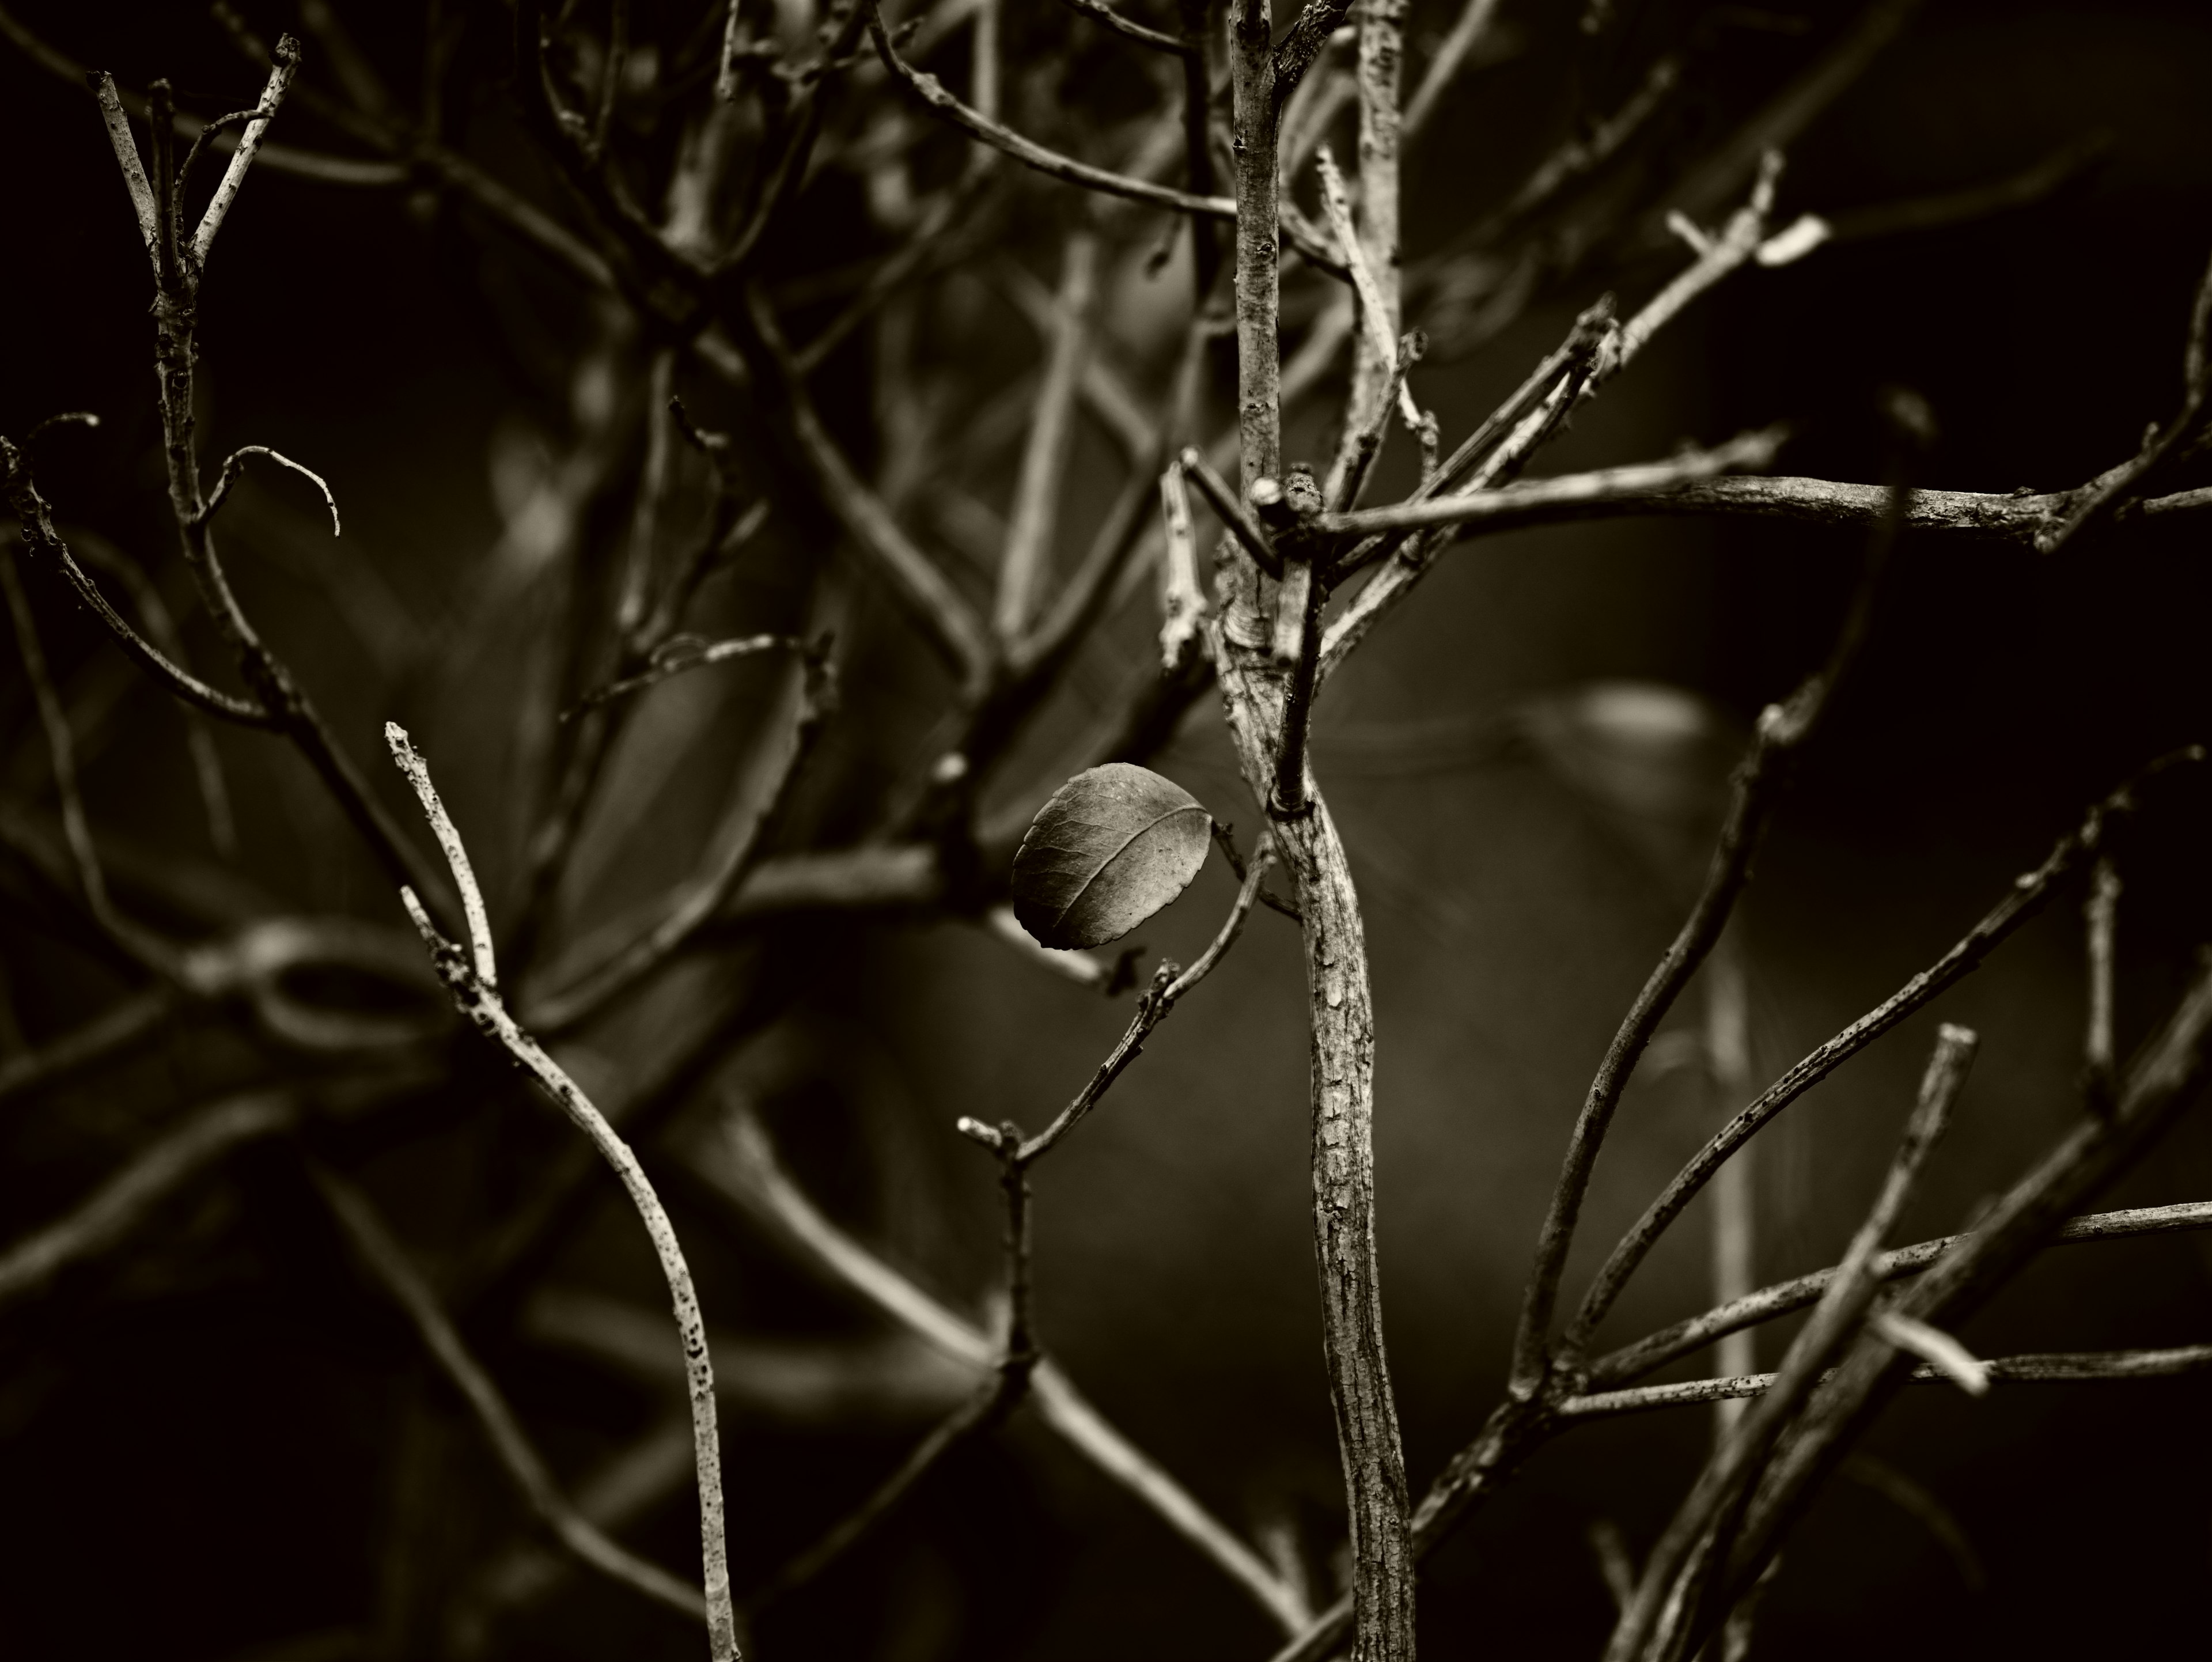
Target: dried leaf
<point>1113,846</point>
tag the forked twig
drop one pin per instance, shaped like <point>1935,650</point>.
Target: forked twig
<point>470,975</point>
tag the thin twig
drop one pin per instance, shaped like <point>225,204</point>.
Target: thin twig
<point>2027,897</point>
<point>1035,512</point>
<point>1234,516</point>
<point>1519,504</point>
<point>1727,1056</point>
<point>234,464</point>
<point>947,107</point>
<point>457,856</point>
<point>2044,1367</point>
<point>477,999</point>
<point>1630,1361</point>
<point>1378,313</point>
<point>948,621</point>
<point>1169,986</point>
<point>739,841</point>
<point>981,1410</point>
<point>1739,241</point>
<point>1843,1308</point>
<point>2102,914</point>
<point>281,704</point>
<point>34,517</point>
<point>2167,1075</point>
<point>1182,600</point>
<point>285,66</point>
<point>1782,732</point>
<point>1451,53</point>
<point>2014,518</point>
<point>109,1036</point>
<point>1158,40</point>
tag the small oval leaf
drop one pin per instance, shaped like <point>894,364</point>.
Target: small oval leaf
<point>1113,846</point>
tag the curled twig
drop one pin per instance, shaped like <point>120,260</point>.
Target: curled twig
<point>234,464</point>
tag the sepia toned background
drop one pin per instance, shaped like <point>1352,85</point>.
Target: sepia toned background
<point>220,1439</point>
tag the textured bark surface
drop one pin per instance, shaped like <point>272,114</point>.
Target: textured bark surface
<point>1340,1016</point>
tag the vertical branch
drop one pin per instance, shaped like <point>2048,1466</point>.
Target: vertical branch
<point>1340,1012</point>
<point>1182,600</point>
<point>1735,1261</point>
<point>1052,435</point>
<point>1258,253</point>
<point>1340,1003</point>
<point>1445,62</point>
<point>1382,26</point>
<point>1197,15</point>
<point>985,84</point>
<point>285,64</point>
<point>2102,914</point>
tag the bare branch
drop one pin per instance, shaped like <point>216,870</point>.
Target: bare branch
<point>1155,38</point>
<point>1632,1360</point>
<point>947,107</point>
<point>2168,1074</point>
<point>2114,487</point>
<point>1520,503</point>
<point>1234,516</point>
<point>34,517</point>
<point>2015,518</point>
<point>982,1410</point>
<point>1169,985</point>
<point>1783,117</point>
<point>2102,915</point>
<point>1182,600</point>
<point>234,464</point>
<point>286,64</point>
<point>476,997</point>
<point>125,145</point>
<point>1444,63</point>
<point>111,1034</point>
<point>2025,898</point>
<point>1685,1543</point>
<point>1051,439</point>
<point>1936,1348</point>
<point>741,836</point>
<point>2049,1367</point>
<point>127,1201</point>
<point>1783,730</point>
<point>457,856</point>
<point>1378,311</point>
<point>949,621</point>
<point>1301,45</point>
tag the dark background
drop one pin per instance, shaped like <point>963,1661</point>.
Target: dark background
<point>210,1444</point>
